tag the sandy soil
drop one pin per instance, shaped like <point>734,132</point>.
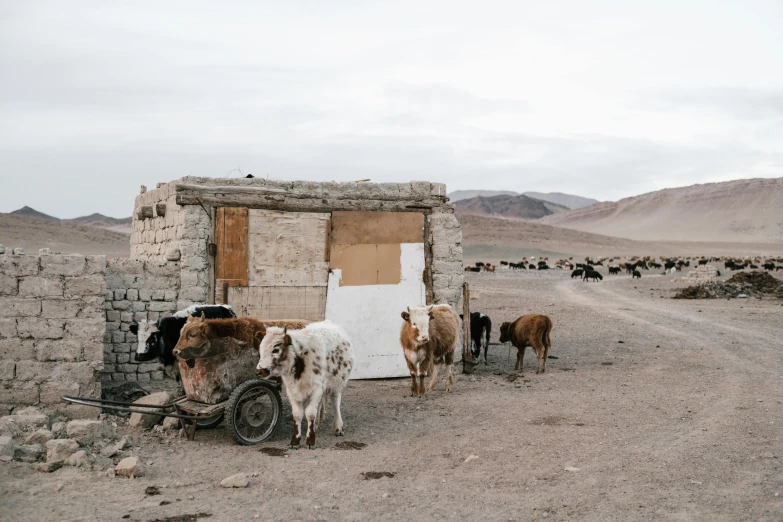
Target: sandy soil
<point>494,239</point>
<point>660,409</point>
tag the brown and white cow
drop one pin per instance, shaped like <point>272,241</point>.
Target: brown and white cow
<point>429,337</point>
<point>314,362</point>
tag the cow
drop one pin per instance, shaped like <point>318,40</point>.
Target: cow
<point>592,274</point>
<point>157,340</point>
<point>577,273</point>
<point>613,270</point>
<point>529,330</point>
<point>429,337</point>
<point>315,363</point>
<point>480,329</point>
<point>198,331</point>
<point>636,275</point>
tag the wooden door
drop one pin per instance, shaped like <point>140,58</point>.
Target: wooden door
<point>285,266</point>
<point>231,225</point>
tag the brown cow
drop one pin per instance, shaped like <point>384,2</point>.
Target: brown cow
<point>429,337</point>
<point>198,331</point>
<point>529,330</point>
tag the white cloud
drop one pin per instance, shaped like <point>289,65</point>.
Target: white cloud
<point>602,99</point>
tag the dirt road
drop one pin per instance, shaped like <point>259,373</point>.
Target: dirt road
<point>654,409</point>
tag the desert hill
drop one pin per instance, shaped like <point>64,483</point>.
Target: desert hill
<point>517,207</point>
<point>566,200</point>
<point>31,212</point>
<point>495,239</point>
<point>93,220</point>
<point>749,210</point>
<point>459,195</point>
<point>32,233</point>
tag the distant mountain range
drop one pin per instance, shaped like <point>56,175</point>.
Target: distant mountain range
<point>93,220</point>
<point>566,200</point>
<point>508,206</point>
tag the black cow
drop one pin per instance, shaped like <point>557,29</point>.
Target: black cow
<point>592,274</point>
<point>577,273</point>
<point>159,339</point>
<point>614,270</point>
<point>636,274</point>
<point>480,328</point>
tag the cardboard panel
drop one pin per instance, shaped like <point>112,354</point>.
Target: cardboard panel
<point>231,237</point>
<point>375,228</point>
<point>287,248</point>
<point>285,302</point>
<point>366,264</point>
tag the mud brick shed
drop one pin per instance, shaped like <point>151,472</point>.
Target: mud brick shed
<point>354,253</point>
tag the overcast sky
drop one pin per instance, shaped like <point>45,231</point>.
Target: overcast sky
<point>599,99</point>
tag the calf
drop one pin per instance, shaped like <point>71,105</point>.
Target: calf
<point>636,274</point>
<point>529,330</point>
<point>157,340</point>
<point>480,328</point>
<point>577,273</point>
<point>314,363</point>
<point>429,337</point>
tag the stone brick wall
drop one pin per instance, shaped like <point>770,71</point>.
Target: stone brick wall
<point>51,328</point>
<point>153,238</point>
<point>702,274</point>
<point>447,271</point>
<point>135,289</point>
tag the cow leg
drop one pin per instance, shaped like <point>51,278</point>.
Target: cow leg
<point>338,418</point>
<point>434,378</point>
<point>449,371</point>
<point>486,347</point>
<point>520,367</point>
<point>311,413</point>
<point>539,348</point>
<point>412,370</point>
<point>296,437</point>
<point>321,412</point>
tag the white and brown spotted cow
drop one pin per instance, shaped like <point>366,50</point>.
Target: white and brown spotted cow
<point>429,338</point>
<point>314,362</point>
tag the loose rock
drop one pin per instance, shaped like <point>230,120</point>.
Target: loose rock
<point>61,449</point>
<point>146,421</point>
<point>129,467</point>
<point>235,481</point>
<point>85,432</point>
<point>78,460</point>
<point>50,466</point>
<point>7,446</point>
<point>29,453</point>
<point>170,423</point>
<point>41,436</point>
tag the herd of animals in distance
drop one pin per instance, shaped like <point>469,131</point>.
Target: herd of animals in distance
<point>589,269</point>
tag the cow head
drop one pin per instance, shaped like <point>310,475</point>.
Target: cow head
<point>273,351</point>
<point>148,336</point>
<point>419,319</point>
<point>505,332</point>
<point>192,335</point>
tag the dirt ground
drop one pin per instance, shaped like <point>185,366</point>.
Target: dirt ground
<point>654,409</point>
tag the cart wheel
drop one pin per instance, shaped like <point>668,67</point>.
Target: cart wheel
<point>253,412</point>
<point>208,424</point>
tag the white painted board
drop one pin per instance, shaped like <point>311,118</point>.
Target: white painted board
<point>371,315</point>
